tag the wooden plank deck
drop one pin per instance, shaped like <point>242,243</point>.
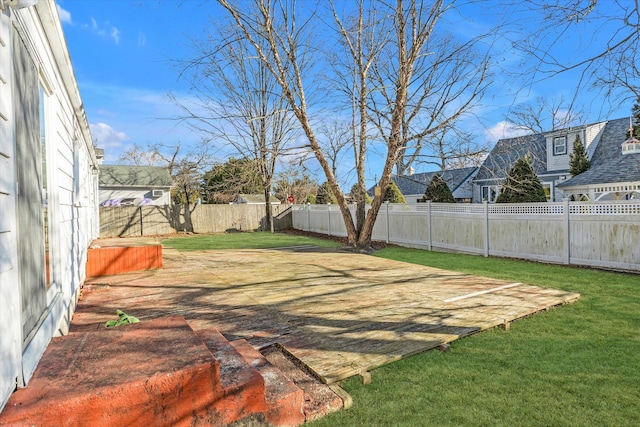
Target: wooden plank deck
<point>339,313</point>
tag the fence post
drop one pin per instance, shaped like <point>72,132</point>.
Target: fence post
<point>308,216</point>
<point>429,246</point>
<point>141,222</point>
<point>567,231</point>
<point>388,223</point>
<point>485,205</point>
<point>329,217</point>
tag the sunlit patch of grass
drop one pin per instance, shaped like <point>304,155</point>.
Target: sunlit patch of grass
<point>257,240</point>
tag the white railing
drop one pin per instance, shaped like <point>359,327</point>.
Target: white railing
<point>605,234</point>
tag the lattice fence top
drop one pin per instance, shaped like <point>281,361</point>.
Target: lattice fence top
<point>616,208</point>
<point>526,208</point>
<point>457,208</point>
<point>631,207</point>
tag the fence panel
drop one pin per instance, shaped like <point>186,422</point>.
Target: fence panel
<point>593,234</point>
<point>156,220</point>
<point>458,231</point>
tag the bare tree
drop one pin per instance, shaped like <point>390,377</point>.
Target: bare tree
<point>294,182</point>
<point>239,101</point>
<point>185,168</point>
<point>388,45</point>
<point>544,115</point>
<point>140,156</point>
<point>337,136</point>
<point>449,76</point>
<point>452,149</point>
<point>609,61</point>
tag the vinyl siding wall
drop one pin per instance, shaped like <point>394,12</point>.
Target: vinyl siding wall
<point>72,191</point>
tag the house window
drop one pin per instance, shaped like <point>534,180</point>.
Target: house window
<point>559,145</point>
<point>490,193</point>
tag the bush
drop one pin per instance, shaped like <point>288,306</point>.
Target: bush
<point>393,194</point>
<point>438,191</point>
<point>325,195</point>
<point>522,185</point>
<point>578,160</point>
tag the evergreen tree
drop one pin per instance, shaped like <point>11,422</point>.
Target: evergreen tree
<point>438,191</point>
<point>522,185</point>
<point>578,160</point>
<point>393,194</point>
<point>325,195</point>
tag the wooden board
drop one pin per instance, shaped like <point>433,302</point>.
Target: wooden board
<point>339,313</point>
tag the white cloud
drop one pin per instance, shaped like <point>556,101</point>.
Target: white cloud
<point>103,30</point>
<point>107,137</point>
<point>115,35</point>
<point>142,39</point>
<point>65,15</point>
<point>504,129</point>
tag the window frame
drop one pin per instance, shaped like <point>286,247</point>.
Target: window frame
<point>486,191</point>
<point>563,146</point>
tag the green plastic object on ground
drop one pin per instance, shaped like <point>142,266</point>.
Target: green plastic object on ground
<point>123,319</point>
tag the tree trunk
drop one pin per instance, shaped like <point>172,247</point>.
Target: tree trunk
<point>268,209</point>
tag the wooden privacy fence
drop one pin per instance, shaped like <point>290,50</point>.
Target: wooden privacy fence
<point>156,220</point>
<point>605,234</point>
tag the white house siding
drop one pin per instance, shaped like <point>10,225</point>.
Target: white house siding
<point>592,137</point>
<point>561,162</point>
<point>10,324</point>
<point>72,190</point>
<point>137,194</point>
<point>589,135</point>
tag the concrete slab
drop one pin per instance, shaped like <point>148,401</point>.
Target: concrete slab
<point>153,373</point>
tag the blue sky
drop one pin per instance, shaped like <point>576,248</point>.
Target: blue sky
<point>122,53</point>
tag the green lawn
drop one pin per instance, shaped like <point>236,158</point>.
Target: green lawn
<point>577,365</point>
<point>258,240</point>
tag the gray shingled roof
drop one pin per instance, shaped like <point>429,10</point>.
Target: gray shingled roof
<point>417,183</point>
<point>134,176</point>
<point>608,164</point>
<point>507,151</point>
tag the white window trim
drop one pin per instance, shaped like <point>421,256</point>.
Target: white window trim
<point>557,152</point>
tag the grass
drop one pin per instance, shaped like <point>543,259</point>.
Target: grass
<point>577,365</point>
<point>258,240</point>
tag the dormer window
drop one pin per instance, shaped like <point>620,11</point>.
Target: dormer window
<point>560,146</point>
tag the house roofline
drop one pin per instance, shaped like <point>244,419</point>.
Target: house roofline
<point>50,19</point>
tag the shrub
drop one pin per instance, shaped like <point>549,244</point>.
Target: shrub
<point>522,185</point>
<point>578,160</point>
<point>393,194</point>
<point>438,191</point>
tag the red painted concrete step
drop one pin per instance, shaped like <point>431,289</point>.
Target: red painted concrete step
<point>103,261</point>
<point>242,386</point>
<point>319,399</point>
<point>156,373</point>
<point>285,401</point>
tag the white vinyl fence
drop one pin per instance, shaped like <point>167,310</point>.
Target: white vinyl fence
<point>605,234</point>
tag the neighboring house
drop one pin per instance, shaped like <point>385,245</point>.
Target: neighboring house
<point>122,185</point>
<point>48,188</point>
<point>254,199</point>
<point>615,168</point>
<point>549,154</point>
<point>459,181</point>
